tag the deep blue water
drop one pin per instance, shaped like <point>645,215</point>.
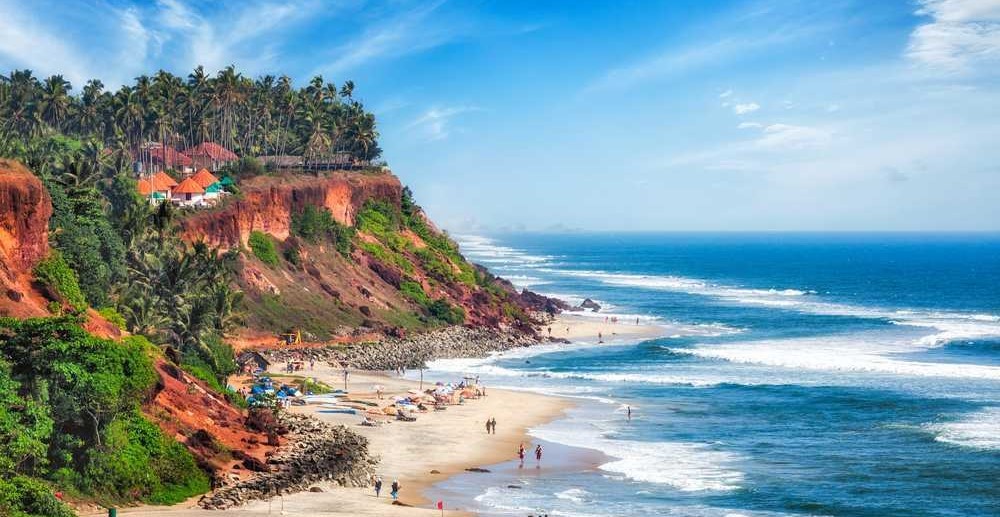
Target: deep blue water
<point>803,374</point>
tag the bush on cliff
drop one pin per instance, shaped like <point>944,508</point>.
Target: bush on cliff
<point>55,274</point>
<point>69,413</point>
<point>263,248</point>
<point>316,225</point>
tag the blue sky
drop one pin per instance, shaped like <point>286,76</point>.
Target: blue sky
<point>618,115</point>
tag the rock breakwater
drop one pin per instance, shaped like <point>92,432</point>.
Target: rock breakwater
<point>411,352</point>
<point>315,452</point>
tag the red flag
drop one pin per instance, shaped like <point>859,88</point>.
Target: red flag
<point>440,505</point>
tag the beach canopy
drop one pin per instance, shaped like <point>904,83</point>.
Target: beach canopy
<point>226,181</point>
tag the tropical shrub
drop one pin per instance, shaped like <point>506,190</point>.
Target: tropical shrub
<point>56,275</point>
<point>263,248</point>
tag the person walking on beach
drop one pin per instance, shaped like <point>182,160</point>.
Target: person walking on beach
<point>395,490</point>
<point>538,454</point>
<point>489,424</point>
<point>520,453</point>
<point>378,486</point>
<point>493,424</point>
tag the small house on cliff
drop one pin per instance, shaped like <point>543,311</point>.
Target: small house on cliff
<point>188,193</point>
<point>210,155</point>
<point>157,187</point>
<point>153,156</point>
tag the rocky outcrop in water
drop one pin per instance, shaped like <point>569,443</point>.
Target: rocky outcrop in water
<point>412,352</point>
<point>315,452</point>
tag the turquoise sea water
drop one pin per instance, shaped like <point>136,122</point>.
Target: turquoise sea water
<point>803,374</point>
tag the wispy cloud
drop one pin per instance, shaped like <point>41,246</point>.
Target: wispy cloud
<point>434,124</point>
<point>789,136</point>
<point>408,32</point>
<point>744,108</point>
<point>962,36</point>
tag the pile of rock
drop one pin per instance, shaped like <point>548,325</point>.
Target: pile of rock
<point>316,452</point>
<point>414,351</point>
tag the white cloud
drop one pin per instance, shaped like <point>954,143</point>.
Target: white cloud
<point>27,43</point>
<point>434,124</point>
<point>749,107</point>
<point>788,136</point>
<point>962,35</point>
<point>749,125</point>
<point>725,94</point>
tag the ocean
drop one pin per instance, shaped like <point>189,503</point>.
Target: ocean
<point>800,374</point>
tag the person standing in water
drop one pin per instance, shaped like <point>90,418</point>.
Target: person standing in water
<point>520,453</point>
<point>538,454</point>
<point>628,412</point>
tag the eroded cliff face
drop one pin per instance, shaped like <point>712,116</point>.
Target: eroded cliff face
<point>267,205</point>
<point>329,296</point>
<point>25,209</point>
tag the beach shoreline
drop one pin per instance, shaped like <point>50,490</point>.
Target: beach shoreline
<point>443,442</point>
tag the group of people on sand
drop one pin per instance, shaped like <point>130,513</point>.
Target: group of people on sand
<point>394,488</point>
<point>538,453</point>
<point>491,425</point>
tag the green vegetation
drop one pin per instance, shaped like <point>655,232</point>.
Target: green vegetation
<point>251,117</point>
<point>315,225</point>
<point>413,291</point>
<point>446,312</point>
<point>263,248</point>
<point>112,315</point>
<point>69,419</point>
<point>56,275</point>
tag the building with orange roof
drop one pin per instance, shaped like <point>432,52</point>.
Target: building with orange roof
<point>204,178</point>
<point>165,179</point>
<point>189,192</point>
<point>157,187</point>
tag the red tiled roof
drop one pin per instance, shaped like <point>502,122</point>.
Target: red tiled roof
<point>169,156</point>
<point>189,186</point>
<point>213,151</point>
<point>145,188</point>
<point>204,178</point>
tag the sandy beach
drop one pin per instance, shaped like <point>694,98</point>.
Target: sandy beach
<point>447,442</point>
<point>577,327</point>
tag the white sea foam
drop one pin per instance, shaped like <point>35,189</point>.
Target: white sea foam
<point>688,467</point>
<point>486,250</point>
<point>949,325</point>
<point>577,495</point>
<point>862,352</point>
<point>978,430</point>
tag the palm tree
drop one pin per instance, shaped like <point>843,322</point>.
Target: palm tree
<point>55,101</point>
